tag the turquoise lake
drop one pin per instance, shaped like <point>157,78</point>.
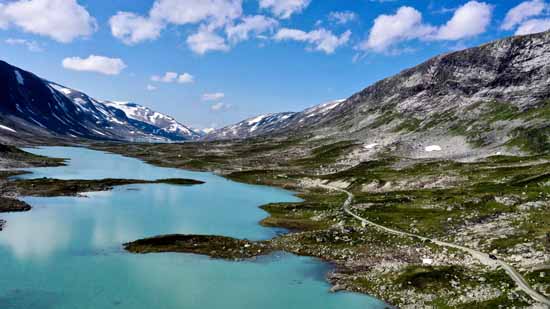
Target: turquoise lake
<point>67,252</point>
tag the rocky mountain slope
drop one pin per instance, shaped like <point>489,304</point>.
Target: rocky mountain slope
<point>486,100</point>
<point>32,106</point>
<point>489,98</point>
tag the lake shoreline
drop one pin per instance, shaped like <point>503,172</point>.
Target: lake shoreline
<point>47,183</point>
<point>392,268</point>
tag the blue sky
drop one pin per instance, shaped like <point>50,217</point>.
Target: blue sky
<point>234,59</point>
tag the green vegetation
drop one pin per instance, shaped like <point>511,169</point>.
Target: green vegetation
<point>533,140</point>
<point>539,111</point>
<point>301,216</point>
<point>540,277</point>
<point>56,187</point>
<point>430,278</point>
<point>213,246</point>
<point>499,111</point>
<point>408,125</point>
<point>386,118</point>
<point>20,158</point>
<point>326,154</point>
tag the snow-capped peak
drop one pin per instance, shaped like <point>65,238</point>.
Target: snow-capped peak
<point>272,123</point>
<point>145,114</point>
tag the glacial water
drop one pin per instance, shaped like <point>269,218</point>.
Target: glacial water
<point>67,252</point>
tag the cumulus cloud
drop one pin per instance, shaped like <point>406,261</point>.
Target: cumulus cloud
<point>469,20</point>
<point>529,17</point>
<point>213,96</point>
<point>30,45</point>
<point>220,106</point>
<point>204,41</point>
<point>61,20</point>
<point>342,17</point>
<point>405,24</point>
<point>319,40</point>
<point>98,64</point>
<point>522,12</point>
<point>132,29</point>
<point>212,15</point>
<point>173,77</point>
<point>186,78</point>
<point>534,26</point>
<point>256,25</point>
<point>284,8</point>
<point>151,88</point>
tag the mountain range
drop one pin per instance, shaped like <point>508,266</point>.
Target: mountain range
<point>37,107</point>
<point>489,98</point>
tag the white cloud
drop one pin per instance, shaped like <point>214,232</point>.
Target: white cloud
<point>30,45</point>
<point>213,96</point>
<point>320,39</point>
<point>522,12</point>
<point>172,77</point>
<point>257,25</point>
<point>186,78</point>
<point>61,20</point>
<point>169,77</point>
<point>131,28</point>
<point>284,8</point>
<point>211,14</point>
<point>151,88</point>
<point>533,26</point>
<point>216,12</point>
<point>98,64</point>
<point>204,41</point>
<point>220,106</point>
<point>4,22</point>
<point>389,30</point>
<point>469,20</point>
<point>342,17</point>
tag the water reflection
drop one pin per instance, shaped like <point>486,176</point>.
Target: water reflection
<point>29,237</point>
<point>71,247</point>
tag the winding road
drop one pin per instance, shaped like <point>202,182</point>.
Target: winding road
<point>481,256</point>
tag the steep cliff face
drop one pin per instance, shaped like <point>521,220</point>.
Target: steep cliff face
<point>515,70</point>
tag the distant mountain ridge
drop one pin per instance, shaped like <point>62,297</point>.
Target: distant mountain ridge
<point>272,123</point>
<point>32,105</point>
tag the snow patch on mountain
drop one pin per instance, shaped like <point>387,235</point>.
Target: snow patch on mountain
<point>7,128</point>
<point>433,148</point>
<point>322,109</point>
<point>65,91</point>
<point>19,77</point>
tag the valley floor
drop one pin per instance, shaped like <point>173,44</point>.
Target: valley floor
<point>500,205</point>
